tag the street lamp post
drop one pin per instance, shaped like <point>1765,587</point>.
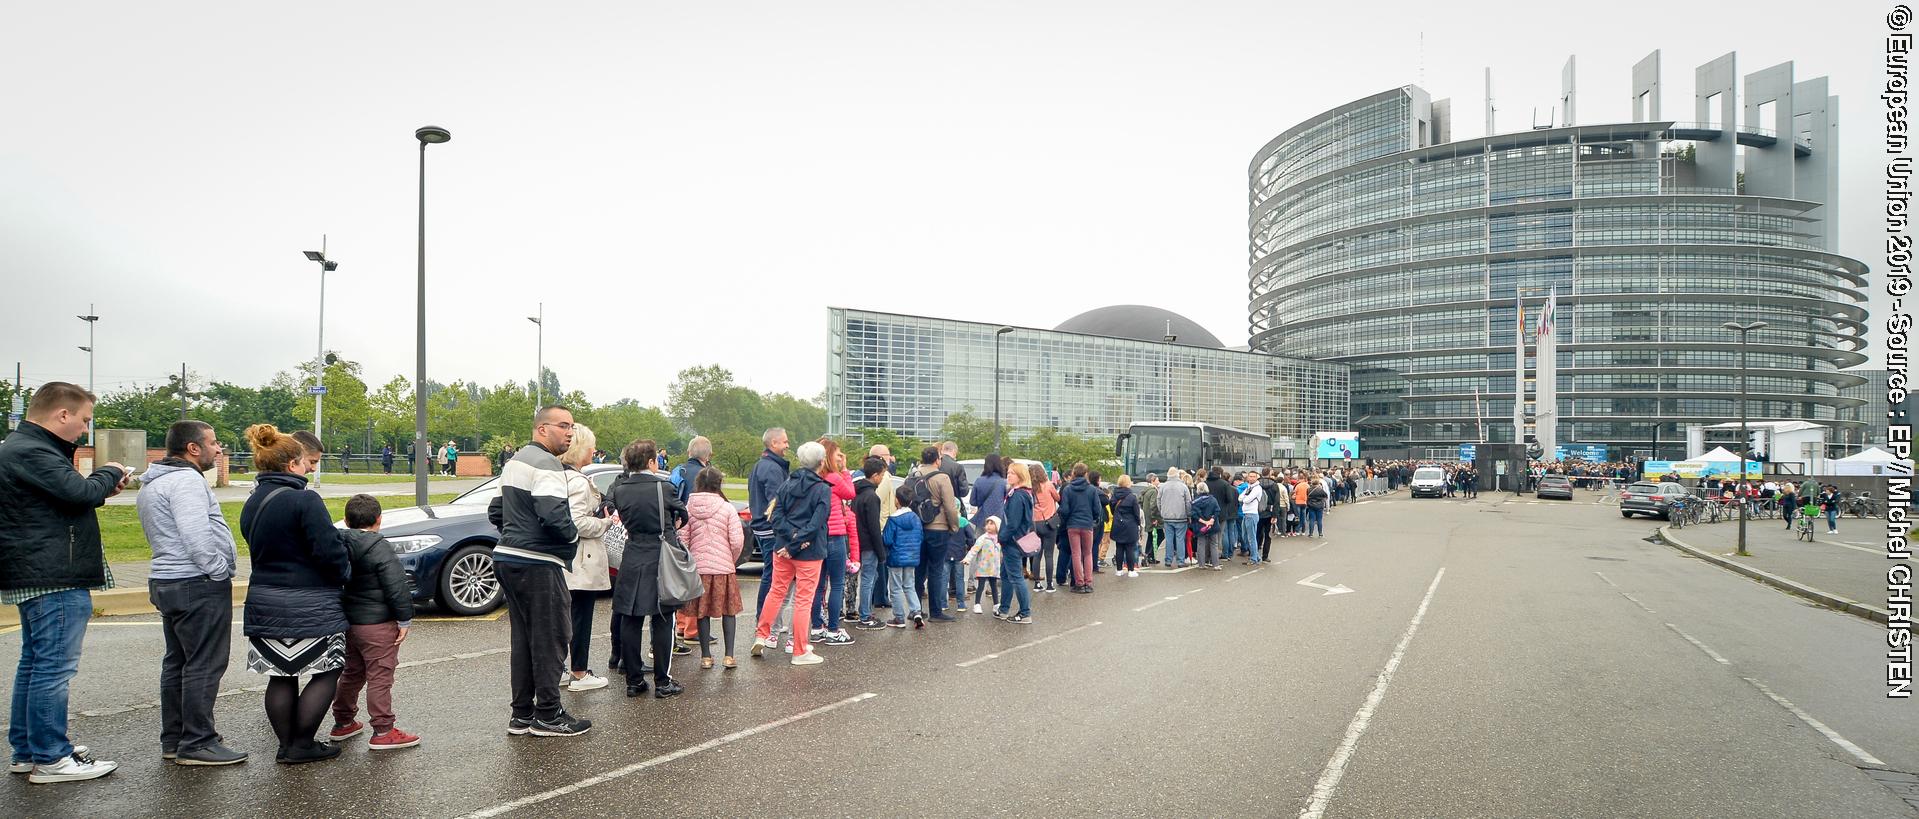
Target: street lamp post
<point>429,135</point>
<point>539,365</point>
<point>1745,444</point>
<point>1169,338</point>
<point>319,357</point>
<point>89,318</point>
<point>996,337</point>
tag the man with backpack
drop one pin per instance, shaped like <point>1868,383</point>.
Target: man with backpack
<point>936,505</point>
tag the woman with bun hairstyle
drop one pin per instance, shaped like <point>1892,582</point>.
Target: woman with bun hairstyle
<point>294,621</point>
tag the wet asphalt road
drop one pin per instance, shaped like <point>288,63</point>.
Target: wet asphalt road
<point>1560,666</point>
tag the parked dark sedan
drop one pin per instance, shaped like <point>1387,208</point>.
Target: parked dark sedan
<point>1554,486</point>
<point>447,550</point>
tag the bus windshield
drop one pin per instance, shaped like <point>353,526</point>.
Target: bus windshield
<point>1155,450</point>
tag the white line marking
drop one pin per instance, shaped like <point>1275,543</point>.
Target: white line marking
<point>1608,580</point>
<point>1243,574</point>
<point>1178,570</point>
<point>1856,751</point>
<point>1336,767</point>
<point>1157,602</point>
<point>1855,547</point>
<point>662,759</point>
<point>1196,591</point>
<point>1023,646</point>
<point>1635,601</point>
<point>1699,645</point>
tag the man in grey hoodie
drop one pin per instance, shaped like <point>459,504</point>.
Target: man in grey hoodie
<point>191,583</point>
<point>1175,499</point>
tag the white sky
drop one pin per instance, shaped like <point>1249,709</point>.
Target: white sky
<point>690,183</point>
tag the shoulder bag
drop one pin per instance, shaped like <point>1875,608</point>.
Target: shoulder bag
<point>679,579</point>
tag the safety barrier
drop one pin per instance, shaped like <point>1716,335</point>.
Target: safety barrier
<point>1372,486</point>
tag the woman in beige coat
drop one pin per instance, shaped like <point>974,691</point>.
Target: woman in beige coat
<point>589,575</point>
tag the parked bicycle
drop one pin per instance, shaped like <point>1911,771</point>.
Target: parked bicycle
<point>1860,506</point>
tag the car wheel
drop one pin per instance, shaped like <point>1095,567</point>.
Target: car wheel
<point>468,583</point>
<point>1625,514</point>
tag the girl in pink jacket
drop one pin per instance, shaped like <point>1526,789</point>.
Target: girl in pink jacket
<point>714,537</point>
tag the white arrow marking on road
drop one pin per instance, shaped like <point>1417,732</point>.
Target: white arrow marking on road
<point>1330,590</point>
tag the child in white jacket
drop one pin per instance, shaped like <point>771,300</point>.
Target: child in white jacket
<point>984,559</point>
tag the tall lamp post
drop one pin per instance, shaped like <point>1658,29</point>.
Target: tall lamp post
<point>996,337</point>
<point>1169,338</point>
<point>1745,444</point>
<point>319,357</point>
<point>90,319</point>
<point>539,360</point>
<point>429,135</point>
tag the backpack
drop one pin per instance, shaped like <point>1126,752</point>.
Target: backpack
<point>924,505</point>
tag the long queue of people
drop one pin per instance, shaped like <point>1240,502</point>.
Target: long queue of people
<point>331,605</point>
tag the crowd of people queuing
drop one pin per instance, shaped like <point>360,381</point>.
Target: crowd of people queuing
<point>844,540</point>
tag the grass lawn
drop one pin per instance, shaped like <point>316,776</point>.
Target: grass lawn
<point>125,541</point>
<point>358,478</point>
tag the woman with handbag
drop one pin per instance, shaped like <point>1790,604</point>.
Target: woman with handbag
<point>715,538</point>
<point>589,576</point>
<point>1016,537</point>
<point>1045,524</point>
<point>652,515</point>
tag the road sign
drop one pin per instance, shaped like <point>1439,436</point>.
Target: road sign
<point>1468,451</point>
<point>319,390</point>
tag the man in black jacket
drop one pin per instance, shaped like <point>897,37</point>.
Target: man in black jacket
<point>379,607</point>
<point>867,517</point>
<point>50,558</point>
<point>537,539</point>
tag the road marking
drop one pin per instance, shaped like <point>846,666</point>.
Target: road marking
<point>9,629</point>
<point>508,807</point>
<point>1176,571</point>
<point>1602,576</point>
<point>1635,601</point>
<point>1855,547</point>
<point>1023,646</point>
<point>1157,602</point>
<point>1243,574</point>
<point>1699,645</point>
<point>1857,752</point>
<point>1330,590</point>
<point>485,618</point>
<point>1336,767</point>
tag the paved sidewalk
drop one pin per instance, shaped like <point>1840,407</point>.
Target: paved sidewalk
<point>1850,566</point>
<point>134,575</point>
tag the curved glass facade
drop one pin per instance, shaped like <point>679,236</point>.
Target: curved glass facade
<point>1376,243</point>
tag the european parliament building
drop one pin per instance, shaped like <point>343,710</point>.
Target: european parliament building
<point>1093,375</point>
<point>1378,241</point>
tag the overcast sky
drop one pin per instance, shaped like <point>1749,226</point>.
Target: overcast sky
<point>691,183</point>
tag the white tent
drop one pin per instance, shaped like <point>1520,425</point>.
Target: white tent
<point>1718,455</point>
<point>1873,461</point>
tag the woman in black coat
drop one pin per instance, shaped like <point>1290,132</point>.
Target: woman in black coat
<point>652,514</point>
<point>1125,528</point>
<point>294,620</point>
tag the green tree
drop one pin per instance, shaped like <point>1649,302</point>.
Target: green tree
<point>625,421</point>
<point>692,386</point>
<point>506,411</point>
<point>973,434</point>
<point>347,411</point>
<point>804,420</point>
<point>451,413</point>
<point>907,450</point>
<point>736,450</point>
<point>391,408</point>
<point>1063,449</point>
<point>237,408</point>
<point>151,409</point>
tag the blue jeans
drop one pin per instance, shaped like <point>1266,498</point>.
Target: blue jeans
<point>833,575</point>
<point>1832,519</point>
<point>1315,521</point>
<point>1249,535</point>
<point>51,628</point>
<point>899,587</point>
<point>767,545</point>
<point>934,568</point>
<point>869,582</point>
<point>1229,534</point>
<point>1012,579</point>
<point>1173,547</point>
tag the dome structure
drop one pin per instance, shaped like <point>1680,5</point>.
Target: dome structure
<point>1139,322</point>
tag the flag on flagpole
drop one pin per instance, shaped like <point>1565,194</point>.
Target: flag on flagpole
<point>1546,390</point>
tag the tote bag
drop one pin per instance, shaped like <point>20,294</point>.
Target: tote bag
<point>679,580</point>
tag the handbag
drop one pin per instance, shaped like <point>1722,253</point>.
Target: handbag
<point>679,580</point>
<point>1029,543</point>
<point>614,540</point>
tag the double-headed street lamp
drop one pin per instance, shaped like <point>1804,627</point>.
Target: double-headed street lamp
<point>90,319</point>
<point>429,135</point>
<point>1745,443</point>
<point>319,357</point>
<point>996,337</point>
<point>539,366</point>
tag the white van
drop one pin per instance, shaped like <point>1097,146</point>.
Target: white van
<point>1429,480</point>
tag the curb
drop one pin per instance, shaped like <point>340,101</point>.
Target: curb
<point>117,602</point>
<point>1827,599</point>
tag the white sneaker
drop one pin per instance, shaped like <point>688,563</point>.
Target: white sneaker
<point>809,658</point>
<point>789,647</point>
<point>976,608</point>
<point>760,645</point>
<point>78,766</point>
<point>1133,573</point>
<point>586,683</point>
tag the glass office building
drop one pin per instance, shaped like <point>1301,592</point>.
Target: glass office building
<point>908,373</point>
<point>1378,241</point>
<point>1874,414</point>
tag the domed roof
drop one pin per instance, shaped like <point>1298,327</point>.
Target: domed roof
<point>1141,322</point>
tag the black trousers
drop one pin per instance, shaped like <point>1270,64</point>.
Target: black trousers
<point>537,606</point>
<point>196,616</point>
<point>582,628</point>
<point>661,639</point>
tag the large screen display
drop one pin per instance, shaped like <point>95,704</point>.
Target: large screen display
<point>1337,445</point>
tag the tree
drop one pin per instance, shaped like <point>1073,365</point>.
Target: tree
<point>346,401</point>
<point>736,450</point>
<point>625,421</point>
<point>692,386</point>
<point>506,411</point>
<point>973,434</point>
<point>391,408</point>
<point>237,408</point>
<point>906,450</point>
<point>151,409</point>
<point>804,420</point>
<point>1063,449</point>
